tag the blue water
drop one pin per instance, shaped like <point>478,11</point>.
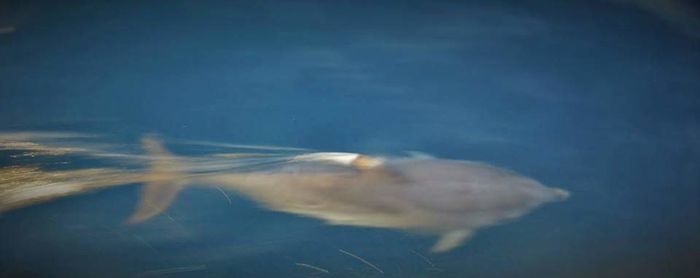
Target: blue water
<point>601,98</point>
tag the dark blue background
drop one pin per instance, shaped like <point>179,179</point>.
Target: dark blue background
<point>598,97</point>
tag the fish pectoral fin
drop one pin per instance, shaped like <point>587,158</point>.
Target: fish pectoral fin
<point>451,240</point>
<point>165,180</point>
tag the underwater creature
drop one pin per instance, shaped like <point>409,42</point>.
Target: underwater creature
<point>448,198</point>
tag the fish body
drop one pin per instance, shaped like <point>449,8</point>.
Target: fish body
<point>447,198</point>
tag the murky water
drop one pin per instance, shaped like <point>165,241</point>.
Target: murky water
<point>598,98</point>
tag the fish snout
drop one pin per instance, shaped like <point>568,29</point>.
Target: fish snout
<point>560,194</point>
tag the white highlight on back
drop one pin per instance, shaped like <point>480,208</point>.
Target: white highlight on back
<point>333,157</point>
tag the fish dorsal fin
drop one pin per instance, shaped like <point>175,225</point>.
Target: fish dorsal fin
<point>164,181</point>
<point>419,155</point>
<point>363,162</point>
<point>451,240</point>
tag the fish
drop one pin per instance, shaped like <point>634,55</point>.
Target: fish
<point>450,199</point>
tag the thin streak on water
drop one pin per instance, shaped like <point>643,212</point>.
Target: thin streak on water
<point>238,146</point>
<point>424,258</point>
<point>362,260</point>
<point>167,271</point>
<point>225,195</point>
<point>313,267</point>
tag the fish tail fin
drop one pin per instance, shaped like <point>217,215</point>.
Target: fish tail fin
<point>164,180</point>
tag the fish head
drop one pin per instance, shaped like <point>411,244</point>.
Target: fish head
<point>453,198</point>
<point>471,194</point>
